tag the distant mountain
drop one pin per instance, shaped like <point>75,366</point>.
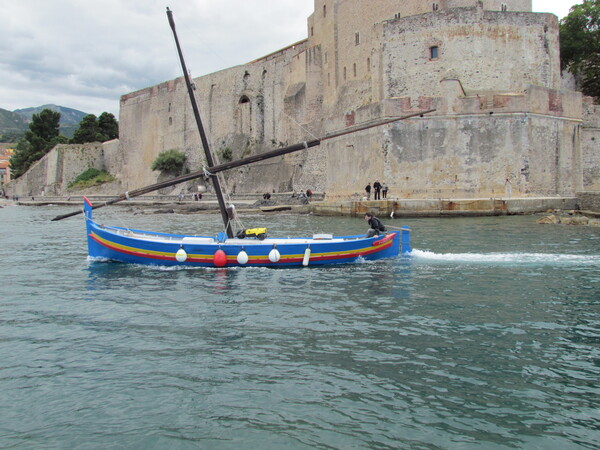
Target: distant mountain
<point>11,121</point>
<point>69,118</point>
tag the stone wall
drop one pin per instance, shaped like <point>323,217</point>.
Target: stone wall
<point>486,50</point>
<point>509,146</point>
<point>590,144</point>
<point>52,174</point>
<point>589,201</point>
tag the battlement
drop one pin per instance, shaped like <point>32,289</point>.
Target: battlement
<point>536,100</point>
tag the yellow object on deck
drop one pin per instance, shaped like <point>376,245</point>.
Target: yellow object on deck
<point>260,233</point>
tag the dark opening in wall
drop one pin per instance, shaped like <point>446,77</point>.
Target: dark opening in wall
<point>434,52</point>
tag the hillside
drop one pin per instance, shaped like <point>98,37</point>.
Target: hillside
<point>18,120</point>
<point>11,123</point>
<point>68,116</point>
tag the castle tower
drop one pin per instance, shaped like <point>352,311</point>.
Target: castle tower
<point>490,69</point>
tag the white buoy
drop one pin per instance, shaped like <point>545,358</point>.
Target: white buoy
<point>274,255</point>
<point>242,257</point>
<point>181,255</point>
<point>306,256</point>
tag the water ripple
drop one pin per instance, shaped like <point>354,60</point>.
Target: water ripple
<point>497,346</point>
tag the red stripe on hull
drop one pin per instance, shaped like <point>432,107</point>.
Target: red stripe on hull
<point>388,241</point>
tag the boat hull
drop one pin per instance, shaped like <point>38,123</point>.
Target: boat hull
<point>149,248</point>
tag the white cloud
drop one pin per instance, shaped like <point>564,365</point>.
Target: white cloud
<point>560,8</point>
<point>86,54</point>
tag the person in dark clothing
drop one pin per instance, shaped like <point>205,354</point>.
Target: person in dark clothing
<point>368,191</point>
<point>377,187</point>
<point>376,227</point>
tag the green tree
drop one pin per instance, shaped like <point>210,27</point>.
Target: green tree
<point>42,136</point>
<point>580,45</point>
<point>108,125</point>
<point>102,129</point>
<point>12,136</point>
<point>171,162</point>
<point>88,131</point>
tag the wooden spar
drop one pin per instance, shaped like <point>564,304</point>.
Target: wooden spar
<point>240,162</point>
<point>209,159</point>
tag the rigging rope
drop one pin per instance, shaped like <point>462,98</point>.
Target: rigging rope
<point>301,127</point>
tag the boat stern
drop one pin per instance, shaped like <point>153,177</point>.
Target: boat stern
<point>405,240</point>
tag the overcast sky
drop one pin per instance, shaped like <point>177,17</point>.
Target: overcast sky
<point>85,54</point>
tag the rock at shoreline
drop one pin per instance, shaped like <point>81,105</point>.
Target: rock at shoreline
<point>572,219</point>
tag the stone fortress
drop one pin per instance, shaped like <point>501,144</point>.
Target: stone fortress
<point>504,122</point>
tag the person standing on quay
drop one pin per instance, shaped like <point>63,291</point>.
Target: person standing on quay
<point>384,190</point>
<point>377,187</point>
<point>368,191</point>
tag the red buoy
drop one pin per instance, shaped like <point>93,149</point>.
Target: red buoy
<point>220,258</point>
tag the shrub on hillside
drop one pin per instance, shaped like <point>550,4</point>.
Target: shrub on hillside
<point>170,161</point>
<point>91,177</point>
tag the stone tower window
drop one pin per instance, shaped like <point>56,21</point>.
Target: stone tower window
<point>324,10</point>
<point>244,115</point>
<point>354,69</point>
<point>368,64</point>
<point>357,38</point>
<point>312,31</point>
<point>434,52</point>
<point>436,6</point>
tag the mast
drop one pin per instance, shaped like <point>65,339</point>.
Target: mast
<point>209,159</point>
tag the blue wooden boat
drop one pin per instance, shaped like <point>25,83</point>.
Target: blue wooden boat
<point>126,245</point>
<point>106,243</point>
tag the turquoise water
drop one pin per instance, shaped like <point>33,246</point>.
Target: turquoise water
<point>488,336</point>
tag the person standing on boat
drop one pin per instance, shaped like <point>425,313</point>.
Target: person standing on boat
<point>377,187</point>
<point>368,191</point>
<point>376,227</point>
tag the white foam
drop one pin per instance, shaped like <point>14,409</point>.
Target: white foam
<point>508,258</point>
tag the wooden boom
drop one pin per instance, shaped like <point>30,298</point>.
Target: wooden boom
<point>212,171</point>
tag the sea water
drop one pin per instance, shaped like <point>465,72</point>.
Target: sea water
<point>487,336</point>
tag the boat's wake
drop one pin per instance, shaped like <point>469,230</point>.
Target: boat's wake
<point>507,258</point>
